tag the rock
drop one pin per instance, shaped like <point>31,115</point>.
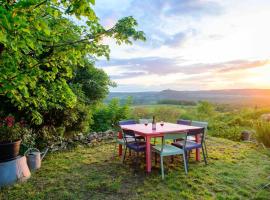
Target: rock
<point>266,117</point>
<point>81,136</point>
<point>245,135</point>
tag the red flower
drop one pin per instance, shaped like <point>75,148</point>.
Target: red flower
<point>10,121</point>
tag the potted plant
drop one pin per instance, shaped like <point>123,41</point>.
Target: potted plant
<point>10,139</point>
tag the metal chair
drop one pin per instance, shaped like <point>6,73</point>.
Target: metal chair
<point>170,150</point>
<point>121,141</point>
<point>190,145</point>
<point>143,121</point>
<point>137,145</point>
<point>184,122</point>
<point>203,125</point>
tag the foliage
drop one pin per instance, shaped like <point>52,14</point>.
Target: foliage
<point>222,121</point>
<point>205,109</point>
<point>107,116</point>
<point>93,82</point>
<point>41,46</point>
<point>263,132</point>
<point>235,171</point>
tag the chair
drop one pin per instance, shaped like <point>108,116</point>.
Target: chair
<point>170,150</point>
<point>143,121</point>
<point>184,122</point>
<point>121,141</point>
<point>203,125</point>
<point>189,145</point>
<point>136,145</point>
<point>127,122</point>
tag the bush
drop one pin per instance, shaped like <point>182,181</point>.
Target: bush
<point>263,132</point>
<point>105,116</point>
<point>223,130</point>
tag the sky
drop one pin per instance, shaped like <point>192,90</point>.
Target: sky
<point>191,44</point>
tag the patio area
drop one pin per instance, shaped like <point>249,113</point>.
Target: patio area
<point>235,171</point>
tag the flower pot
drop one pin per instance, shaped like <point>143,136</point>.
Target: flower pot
<point>9,150</point>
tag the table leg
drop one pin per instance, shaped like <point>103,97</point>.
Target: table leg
<point>197,139</point>
<point>148,154</point>
<point>120,149</point>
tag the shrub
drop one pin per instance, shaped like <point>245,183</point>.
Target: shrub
<point>223,130</point>
<point>263,132</point>
<point>105,116</point>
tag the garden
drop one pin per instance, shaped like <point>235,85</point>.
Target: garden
<point>52,98</point>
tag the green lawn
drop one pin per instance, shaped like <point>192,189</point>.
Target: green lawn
<point>235,171</point>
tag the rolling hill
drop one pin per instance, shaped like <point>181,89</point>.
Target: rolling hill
<point>252,97</point>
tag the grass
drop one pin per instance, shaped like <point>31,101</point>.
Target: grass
<point>235,171</point>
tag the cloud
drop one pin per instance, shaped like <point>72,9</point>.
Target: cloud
<point>190,43</point>
<point>135,67</point>
<point>154,17</point>
<point>242,64</point>
<point>193,8</point>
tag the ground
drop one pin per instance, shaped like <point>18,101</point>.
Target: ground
<point>235,171</point>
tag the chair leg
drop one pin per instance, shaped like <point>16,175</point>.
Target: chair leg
<point>204,156</point>
<point>162,167</point>
<point>155,158</point>
<point>186,158</point>
<point>206,153</point>
<point>129,152</point>
<point>185,163</point>
<point>124,157</point>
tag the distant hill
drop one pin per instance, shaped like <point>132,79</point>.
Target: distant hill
<point>259,97</point>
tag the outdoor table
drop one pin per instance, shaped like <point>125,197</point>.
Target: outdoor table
<point>147,132</point>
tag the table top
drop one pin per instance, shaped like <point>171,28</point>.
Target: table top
<point>142,129</point>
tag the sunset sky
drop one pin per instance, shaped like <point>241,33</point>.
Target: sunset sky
<point>191,44</point>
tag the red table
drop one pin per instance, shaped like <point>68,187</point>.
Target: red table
<point>148,133</point>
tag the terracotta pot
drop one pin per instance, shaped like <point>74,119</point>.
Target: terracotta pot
<point>9,150</point>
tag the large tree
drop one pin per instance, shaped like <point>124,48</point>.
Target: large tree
<point>42,45</point>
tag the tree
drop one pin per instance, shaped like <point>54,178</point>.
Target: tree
<point>41,46</point>
<point>92,84</point>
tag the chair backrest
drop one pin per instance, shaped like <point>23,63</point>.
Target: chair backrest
<point>184,122</point>
<point>143,121</point>
<point>200,124</point>
<point>174,136</point>
<point>201,131</point>
<point>128,133</point>
<point>127,122</point>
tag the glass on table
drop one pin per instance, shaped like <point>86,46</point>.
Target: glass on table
<point>162,123</point>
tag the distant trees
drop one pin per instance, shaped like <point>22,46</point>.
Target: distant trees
<point>176,102</point>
